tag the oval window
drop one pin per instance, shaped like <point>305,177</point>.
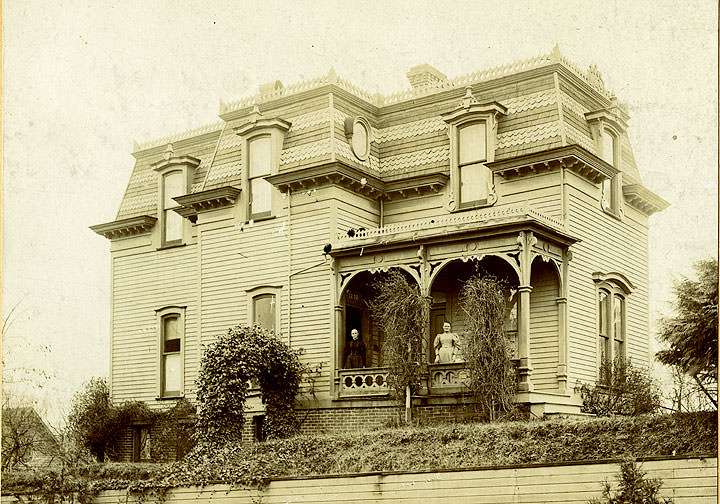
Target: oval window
<point>360,140</point>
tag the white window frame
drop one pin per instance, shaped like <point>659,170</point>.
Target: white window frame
<point>468,113</point>
<point>258,127</point>
<point>250,178</point>
<point>611,203</point>
<point>161,315</point>
<point>255,293</point>
<point>614,286</point>
<point>186,165</point>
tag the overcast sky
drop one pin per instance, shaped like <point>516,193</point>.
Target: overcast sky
<point>82,80</point>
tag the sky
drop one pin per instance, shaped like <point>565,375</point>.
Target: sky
<point>83,80</point>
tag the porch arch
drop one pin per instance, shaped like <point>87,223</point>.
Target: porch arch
<point>479,258</point>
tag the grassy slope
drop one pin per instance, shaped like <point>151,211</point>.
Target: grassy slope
<point>426,448</point>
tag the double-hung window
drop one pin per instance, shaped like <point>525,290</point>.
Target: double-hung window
<point>172,222</point>
<point>609,154</point>
<point>259,166</point>
<point>472,128</point>
<point>263,307</point>
<point>171,322</point>
<point>612,292</point>
<point>475,177</point>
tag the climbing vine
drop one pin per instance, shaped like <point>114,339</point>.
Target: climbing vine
<point>402,314</point>
<point>227,366</point>
<point>488,349</point>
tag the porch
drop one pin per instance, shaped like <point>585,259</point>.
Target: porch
<point>527,252</point>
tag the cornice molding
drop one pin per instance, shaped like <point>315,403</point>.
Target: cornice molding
<point>356,180</point>
<point>195,203</point>
<point>125,227</point>
<point>572,157</point>
<point>643,199</point>
<point>259,123</point>
<point>175,161</point>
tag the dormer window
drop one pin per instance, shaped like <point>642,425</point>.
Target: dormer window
<point>610,189</point>
<point>174,180</point>
<point>172,222</point>
<point>262,145</point>
<point>475,177</point>
<point>259,162</point>
<point>607,126</point>
<point>472,128</point>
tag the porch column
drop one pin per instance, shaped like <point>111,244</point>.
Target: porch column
<point>526,241</point>
<point>562,374</point>
<point>525,367</point>
<point>337,346</point>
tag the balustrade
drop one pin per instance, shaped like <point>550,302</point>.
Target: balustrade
<point>365,381</point>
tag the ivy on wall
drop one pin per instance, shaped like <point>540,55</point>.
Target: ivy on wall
<point>242,354</point>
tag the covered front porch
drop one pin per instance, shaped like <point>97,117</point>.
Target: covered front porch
<point>526,253</point>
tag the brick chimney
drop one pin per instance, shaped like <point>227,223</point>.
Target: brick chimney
<point>425,75</point>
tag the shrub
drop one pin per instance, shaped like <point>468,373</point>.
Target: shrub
<point>623,390</point>
<point>634,488</point>
<point>488,351</point>
<point>226,368</point>
<point>402,314</point>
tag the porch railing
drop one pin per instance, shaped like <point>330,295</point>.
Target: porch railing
<point>362,382</point>
<point>447,376</point>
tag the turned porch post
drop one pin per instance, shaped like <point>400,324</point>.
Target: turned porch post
<point>525,241</point>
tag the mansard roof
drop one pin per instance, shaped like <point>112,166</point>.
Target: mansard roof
<point>409,136</point>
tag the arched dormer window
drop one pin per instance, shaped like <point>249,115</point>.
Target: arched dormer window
<point>262,141</point>
<point>472,128</point>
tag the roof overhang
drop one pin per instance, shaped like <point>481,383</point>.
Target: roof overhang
<point>195,203</point>
<point>643,199</point>
<point>125,227</point>
<point>572,157</point>
<point>355,180</point>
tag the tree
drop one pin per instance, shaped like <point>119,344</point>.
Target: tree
<point>634,488</point>
<point>692,335</point>
<point>488,349</point>
<point>402,314</point>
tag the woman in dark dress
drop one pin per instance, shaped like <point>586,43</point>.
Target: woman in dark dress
<point>354,351</point>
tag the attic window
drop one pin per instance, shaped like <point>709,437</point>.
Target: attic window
<point>611,187</point>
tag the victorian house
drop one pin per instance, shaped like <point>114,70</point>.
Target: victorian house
<point>284,212</point>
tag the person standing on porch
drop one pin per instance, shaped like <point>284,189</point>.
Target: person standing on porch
<point>354,351</point>
<point>447,346</point>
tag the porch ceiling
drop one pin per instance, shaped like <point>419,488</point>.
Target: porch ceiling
<point>484,220</point>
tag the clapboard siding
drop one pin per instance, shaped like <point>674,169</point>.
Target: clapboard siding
<point>608,245</point>
<point>544,325</point>
<point>686,481</point>
<point>142,284</point>
<point>310,303</point>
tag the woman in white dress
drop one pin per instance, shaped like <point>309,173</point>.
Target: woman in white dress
<point>447,345</point>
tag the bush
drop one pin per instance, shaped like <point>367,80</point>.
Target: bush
<point>634,488</point>
<point>488,352</point>
<point>95,424</point>
<point>402,314</point>
<point>623,390</point>
<point>226,368</point>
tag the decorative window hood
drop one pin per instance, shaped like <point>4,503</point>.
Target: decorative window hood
<point>125,227</point>
<point>195,203</point>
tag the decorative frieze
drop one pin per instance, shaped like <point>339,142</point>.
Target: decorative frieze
<point>195,203</point>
